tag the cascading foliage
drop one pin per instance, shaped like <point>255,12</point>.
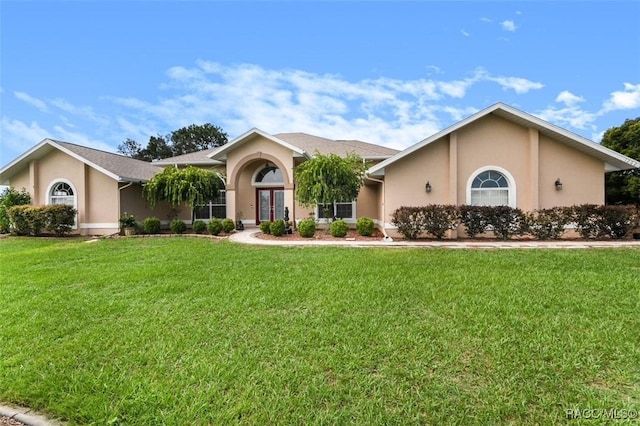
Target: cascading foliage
<point>191,185</point>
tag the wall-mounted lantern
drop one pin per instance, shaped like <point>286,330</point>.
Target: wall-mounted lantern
<point>558,185</point>
<point>427,187</point>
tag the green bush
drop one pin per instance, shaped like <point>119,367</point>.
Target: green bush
<point>506,221</point>
<point>474,218</point>
<point>547,224</point>
<point>616,221</point>
<point>586,218</point>
<point>151,225</point>
<point>215,226</point>
<point>364,226</point>
<point>307,228</point>
<point>409,221</point>
<point>177,226</point>
<point>228,225</point>
<point>60,218</point>
<point>198,226</point>
<point>31,220</point>
<point>339,228</point>
<point>277,228</point>
<point>265,227</point>
<point>11,197</point>
<point>438,219</point>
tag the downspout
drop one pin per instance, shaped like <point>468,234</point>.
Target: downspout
<point>120,198</point>
<point>384,205</point>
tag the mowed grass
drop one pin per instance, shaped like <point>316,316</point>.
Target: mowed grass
<point>193,331</point>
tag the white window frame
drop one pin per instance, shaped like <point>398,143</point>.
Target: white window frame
<point>210,204</point>
<point>335,204</point>
<point>267,184</point>
<point>508,176</point>
<point>55,182</point>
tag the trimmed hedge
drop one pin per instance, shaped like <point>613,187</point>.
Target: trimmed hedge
<point>590,221</point>
<point>277,228</point>
<point>177,226</point>
<point>228,225</point>
<point>198,226</point>
<point>215,226</point>
<point>339,228</point>
<point>364,226</point>
<point>57,219</point>
<point>151,225</point>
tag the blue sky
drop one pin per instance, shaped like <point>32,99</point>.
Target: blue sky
<point>393,73</point>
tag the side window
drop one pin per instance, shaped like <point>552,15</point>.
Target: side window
<point>491,187</point>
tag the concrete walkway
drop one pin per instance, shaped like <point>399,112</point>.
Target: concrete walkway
<point>26,416</point>
<point>249,236</point>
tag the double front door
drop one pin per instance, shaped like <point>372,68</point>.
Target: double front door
<point>270,204</point>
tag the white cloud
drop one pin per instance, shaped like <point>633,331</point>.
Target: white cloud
<point>465,33</point>
<point>627,99</point>
<point>572,116</point>
<point>19,136</point>
<point>485,19</point>
<point>568,98</point>
<point>381,110</point>
<point>508,25</point>
<point>35,102</point>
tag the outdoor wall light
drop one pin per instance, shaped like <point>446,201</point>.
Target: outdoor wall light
<point>427,187</point>
<point>558,185</point>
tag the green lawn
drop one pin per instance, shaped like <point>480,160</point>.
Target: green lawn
<point>194,331</point>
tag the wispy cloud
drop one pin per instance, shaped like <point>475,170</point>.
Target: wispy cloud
<point>465,33</point>
<point>35,102</point>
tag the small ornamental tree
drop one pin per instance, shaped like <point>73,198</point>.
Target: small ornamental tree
<point>191,186</point>
<point>324,179</point>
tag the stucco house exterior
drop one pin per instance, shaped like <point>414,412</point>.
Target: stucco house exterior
<point>498,156</point>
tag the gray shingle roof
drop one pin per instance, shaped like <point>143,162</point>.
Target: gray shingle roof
<point>325,146</point>
<point>199,157</point>
<point>124,168</point>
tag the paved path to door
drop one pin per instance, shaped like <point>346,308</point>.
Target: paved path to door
<point>249,236</point>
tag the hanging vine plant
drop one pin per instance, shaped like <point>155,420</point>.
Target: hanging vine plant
<point>191,186</point>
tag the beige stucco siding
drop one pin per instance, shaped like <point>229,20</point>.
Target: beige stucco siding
<point>492,141</point>
<point>406,178</point>
<point>582,176</point>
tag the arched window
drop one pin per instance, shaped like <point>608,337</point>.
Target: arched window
<point>269,176</point>
<point>62,193</point>
<point>491,187</point>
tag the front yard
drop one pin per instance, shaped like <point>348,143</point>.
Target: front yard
<point>197,331</point>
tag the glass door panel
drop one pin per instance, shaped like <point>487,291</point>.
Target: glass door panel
<point>278,205</point>
<point>264,207</point>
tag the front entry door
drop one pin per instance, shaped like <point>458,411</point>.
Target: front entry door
<point>270,204</point>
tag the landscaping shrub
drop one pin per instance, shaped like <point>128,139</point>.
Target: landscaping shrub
<point>507,221</point>
<point>11,197</point>
<point>151,225</point>
<point>474,218</point>
<point>177,226</point>
<point>198,226</point>
<point>31,220</point>
<point>265,227</point>
<point>277,228</point>
<point>409,221</point>
<point>364,226</point>
<point>548,224</point>
<point>59,218</point>
<point>586,218</point>
<point>438,219</point>
<point>616,221</point>
<point>339,228</point>
<point>307,228</point>
<point>215,226</point>
<point>228,225</point>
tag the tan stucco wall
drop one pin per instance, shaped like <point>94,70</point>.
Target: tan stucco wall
<point>533,160</point>
<point>582,176</point>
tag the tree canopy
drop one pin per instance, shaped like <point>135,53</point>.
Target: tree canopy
<point>188,139</point>
<point>324,179</point>
<point>624,187</point>
<point>192,186</point>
